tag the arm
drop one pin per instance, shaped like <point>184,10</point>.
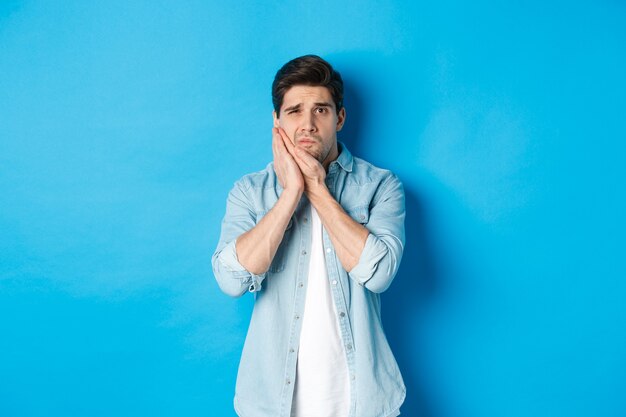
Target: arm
<point>370,255</point>
<point>256,248</point>
<point>380,259</point>
<point>246,249</point>
<point>348,237</point>
<point>240,217</point>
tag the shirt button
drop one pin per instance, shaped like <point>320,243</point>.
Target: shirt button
<point>305,220</point>
<point>334,282</point>
<point>304,252</point>
<point>288,381</point>
<point>342,314</point>
<point>297,317</point>
<point>291,350</point>
<point>349,347</point>
<point>300,285</point>
<point>353,377</point>
<point>362,217</point>
<point>328,250</point>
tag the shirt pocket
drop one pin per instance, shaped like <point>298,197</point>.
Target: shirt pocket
<point>280,258</point>
<point>360,214</point>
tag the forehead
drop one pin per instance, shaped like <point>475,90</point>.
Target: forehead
<point>306,94</point>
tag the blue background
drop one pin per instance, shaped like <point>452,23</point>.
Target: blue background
<point>124,124</point>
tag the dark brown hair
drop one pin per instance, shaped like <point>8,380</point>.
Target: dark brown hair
<point>307,70</point>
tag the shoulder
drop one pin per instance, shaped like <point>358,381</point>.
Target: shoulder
<point>364,172</point>
<point>258,180</point>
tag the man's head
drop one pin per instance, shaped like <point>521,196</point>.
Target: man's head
<point>308,104</point>
<point>307,70</point>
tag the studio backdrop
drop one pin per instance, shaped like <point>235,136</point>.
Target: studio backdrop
<point>124,124</point>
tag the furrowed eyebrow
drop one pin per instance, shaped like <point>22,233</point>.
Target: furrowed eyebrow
<point>296,107</point>
<point>299,105</point>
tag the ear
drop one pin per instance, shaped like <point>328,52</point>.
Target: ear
<point>341,118</point>
<point>276,120</point>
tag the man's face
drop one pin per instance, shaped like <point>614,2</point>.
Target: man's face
<point>309,117</point>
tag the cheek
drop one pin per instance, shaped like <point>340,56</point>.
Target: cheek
<point>287,127</point>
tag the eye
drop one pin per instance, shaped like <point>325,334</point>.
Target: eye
<point>321,110</point>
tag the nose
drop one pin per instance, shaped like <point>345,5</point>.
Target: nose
<point>308,124</point>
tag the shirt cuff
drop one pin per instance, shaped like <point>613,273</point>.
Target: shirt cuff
<point>373,251</point>
<point>228,258</point>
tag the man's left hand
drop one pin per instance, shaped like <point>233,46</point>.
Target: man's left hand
<point>313,172</point>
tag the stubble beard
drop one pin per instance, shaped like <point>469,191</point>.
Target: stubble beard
<point>316,150</point>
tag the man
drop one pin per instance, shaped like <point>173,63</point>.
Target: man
<point>316,236</point>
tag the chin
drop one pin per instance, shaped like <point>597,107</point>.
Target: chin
<point>310,150</point>
<point>314,154</point>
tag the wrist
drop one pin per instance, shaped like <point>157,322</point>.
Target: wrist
<point>292,194</point>
<point>317,191</point>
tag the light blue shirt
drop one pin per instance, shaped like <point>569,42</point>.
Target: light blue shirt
<point>371,196</point>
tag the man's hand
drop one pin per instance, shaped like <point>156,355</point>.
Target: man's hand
<point>287,170</point>
<point>311,170</point>
<point>348,237</point>
<point>257,247</point>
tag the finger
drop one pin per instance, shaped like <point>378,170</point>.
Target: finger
<point>274,139</point>
<point>304,157</point>
<point>291,152</point>
<point>276,152</point>
<point>279,159</point>
<point>280,147</point>
<point>286,140</point>
<point>284,135</point>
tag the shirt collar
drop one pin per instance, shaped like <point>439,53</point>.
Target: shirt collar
<point>344,159</point>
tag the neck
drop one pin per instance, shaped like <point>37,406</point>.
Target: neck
<point>332,155</point>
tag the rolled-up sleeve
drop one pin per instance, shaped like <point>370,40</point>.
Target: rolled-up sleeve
<point>384,246</point>
<point>232,278</point>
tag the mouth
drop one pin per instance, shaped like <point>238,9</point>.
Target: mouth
<point>306,141</point>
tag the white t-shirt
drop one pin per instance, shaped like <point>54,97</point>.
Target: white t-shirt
<point>322,387</point>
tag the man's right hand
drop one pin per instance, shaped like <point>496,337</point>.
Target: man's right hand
<point>287,170</point>
<point>256,248</point>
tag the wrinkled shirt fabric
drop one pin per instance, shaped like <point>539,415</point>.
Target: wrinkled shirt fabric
<point>373,197</point>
